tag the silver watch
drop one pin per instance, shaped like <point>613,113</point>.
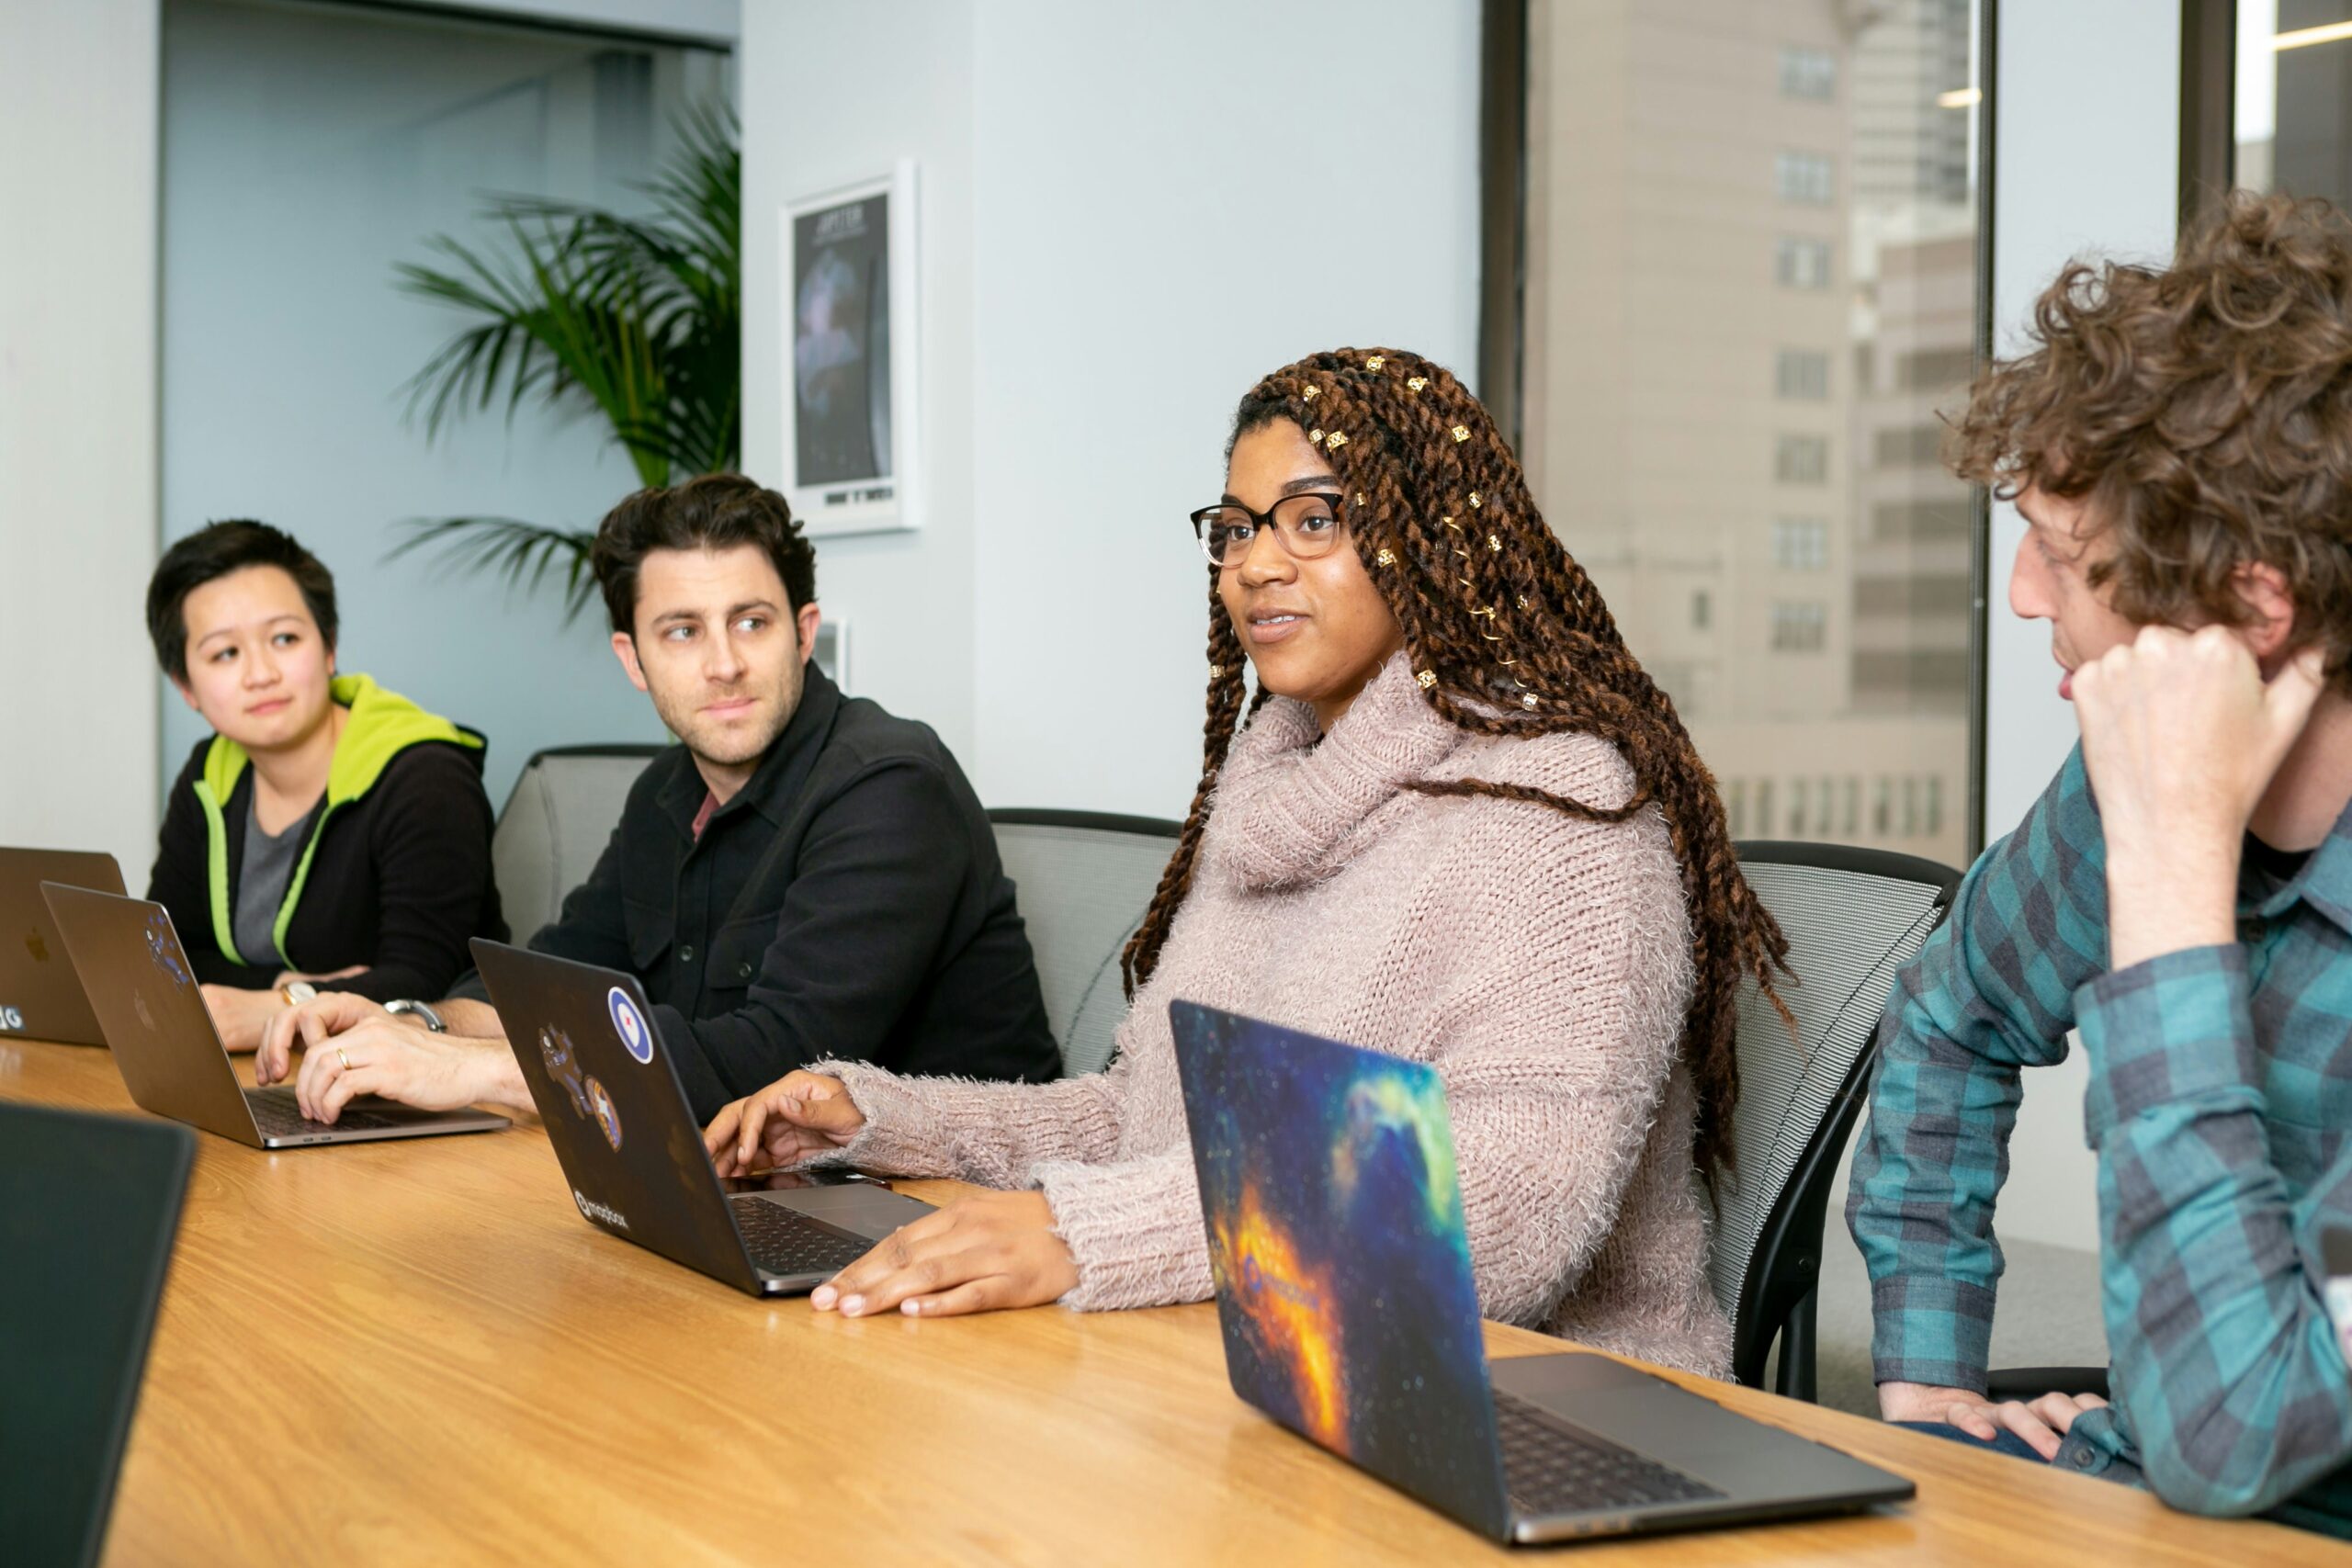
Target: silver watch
<point>423,1012</point>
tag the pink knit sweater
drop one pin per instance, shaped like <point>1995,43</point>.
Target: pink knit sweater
<point>1540,962</point>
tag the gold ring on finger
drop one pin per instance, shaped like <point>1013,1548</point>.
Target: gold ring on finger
<point>343,1059</point>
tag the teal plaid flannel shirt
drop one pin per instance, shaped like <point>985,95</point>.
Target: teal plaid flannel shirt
<point>2220,1101</point>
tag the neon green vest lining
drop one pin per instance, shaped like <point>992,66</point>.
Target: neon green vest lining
<point>382,725</point>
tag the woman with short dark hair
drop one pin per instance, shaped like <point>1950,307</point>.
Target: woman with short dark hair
<point>329,833</point>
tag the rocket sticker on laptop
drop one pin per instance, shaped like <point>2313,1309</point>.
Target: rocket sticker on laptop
<point>590,1098</point>
<point>634,1035</point>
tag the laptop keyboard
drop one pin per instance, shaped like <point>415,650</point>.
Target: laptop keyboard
<point>277,1115</point>
<point>1550,1468</point>
<point>785,1241</point>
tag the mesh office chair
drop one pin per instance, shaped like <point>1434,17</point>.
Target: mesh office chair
<point>555,825</point>
<point>1852,917</point>
<point>1085,879</point>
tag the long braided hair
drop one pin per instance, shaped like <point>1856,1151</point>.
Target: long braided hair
<point>1507,636</point>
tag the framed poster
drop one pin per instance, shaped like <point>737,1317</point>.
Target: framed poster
<point>850,357</point>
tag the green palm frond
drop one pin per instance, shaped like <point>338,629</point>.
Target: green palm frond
<point>524,554</point>
<point>583,312</point>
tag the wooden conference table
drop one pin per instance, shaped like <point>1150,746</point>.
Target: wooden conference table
<point>418,1352</point>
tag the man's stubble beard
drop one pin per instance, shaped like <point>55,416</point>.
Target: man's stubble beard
<point>684,720</point>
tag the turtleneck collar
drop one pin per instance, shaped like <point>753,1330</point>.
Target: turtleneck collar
<point>1290,810</point>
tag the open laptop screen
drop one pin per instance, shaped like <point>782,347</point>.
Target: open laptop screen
<point>1335,1229</point>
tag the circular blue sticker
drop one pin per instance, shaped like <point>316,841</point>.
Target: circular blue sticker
<point>631,1026</point>
<point>606,1116</point>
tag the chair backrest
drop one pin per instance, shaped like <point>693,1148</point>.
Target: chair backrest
<point>1853,916</point>
<point>555,825</point>
<point>1085,879</point>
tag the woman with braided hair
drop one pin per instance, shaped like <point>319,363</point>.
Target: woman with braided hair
<point>1459,824</point>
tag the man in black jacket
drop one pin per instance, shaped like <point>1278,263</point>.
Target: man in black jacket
<point>805,876</point>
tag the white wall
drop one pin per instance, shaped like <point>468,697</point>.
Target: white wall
<point>833,94</point>
<point>2085,165</point>
<point>1129,214</point>
<point>77,424</point>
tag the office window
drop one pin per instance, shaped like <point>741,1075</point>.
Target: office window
<point>1809,179</point>
<point>1801,264</point>
<point>1935,805</point>
<point>2292,92</point>
<point>1802,374</point>
<point>1808,73</point>
<point>1911,809</point>
<point>1801,459</point>
<point>1736,805</point>
<point>1833,312</point>
<point>1801,543</point>
<point>1798,627</point>
<point>1882,807</point>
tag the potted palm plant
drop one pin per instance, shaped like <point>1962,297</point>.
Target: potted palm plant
<point>580,309</point>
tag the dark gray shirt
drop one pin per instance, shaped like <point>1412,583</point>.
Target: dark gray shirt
<point>262,878</point>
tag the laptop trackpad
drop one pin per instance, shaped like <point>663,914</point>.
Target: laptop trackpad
<point>864,1207</point>
<point>1748,1458</point>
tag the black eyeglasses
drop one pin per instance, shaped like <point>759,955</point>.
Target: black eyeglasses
<point>1306,525</point>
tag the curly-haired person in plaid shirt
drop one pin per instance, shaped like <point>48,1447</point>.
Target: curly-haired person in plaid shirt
<point>2179,444</point>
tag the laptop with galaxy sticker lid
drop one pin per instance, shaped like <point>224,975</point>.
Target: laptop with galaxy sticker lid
<point>144,992</point>
<point>632,1153</point>
<point>1344,1289</point>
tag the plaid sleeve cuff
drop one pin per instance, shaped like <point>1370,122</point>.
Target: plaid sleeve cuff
<point>1927,1328</point>
<point>2173,1028</point>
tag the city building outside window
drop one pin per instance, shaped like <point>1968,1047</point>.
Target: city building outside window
<point>1656,248</point>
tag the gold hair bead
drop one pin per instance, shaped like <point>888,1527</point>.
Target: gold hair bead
<point>1312,393</point>
<point>1358,498</point>
<point>1522,602</point>
<point>1374,363</point>
<point>1427,678</point>
<point>1386,557</point>
<point>1216,671</point>
<point>1336,440</point>
<point>1527,700</point>
<point>1494,543</point>
<point>1474,502</point>
<point>1316,436</point>
<point>1462,433</point>
<point>1414,383</point>
<point>1451,524</point>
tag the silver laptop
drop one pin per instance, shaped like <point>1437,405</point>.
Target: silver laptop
<point>40,997</point>
<point>145,995</point>
<point>1343,1285</point>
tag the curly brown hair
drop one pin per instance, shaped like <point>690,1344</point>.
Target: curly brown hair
<point>1508,637</point>
<point>2203,411</point>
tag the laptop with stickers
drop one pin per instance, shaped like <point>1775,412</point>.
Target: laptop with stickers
<point>1343,1284</point>
<point>145,994</point>
<point>41,996</point>
<point>632,1152</point>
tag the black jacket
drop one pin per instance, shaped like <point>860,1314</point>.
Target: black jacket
<point>397,878</point>
<point>847,902</point>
